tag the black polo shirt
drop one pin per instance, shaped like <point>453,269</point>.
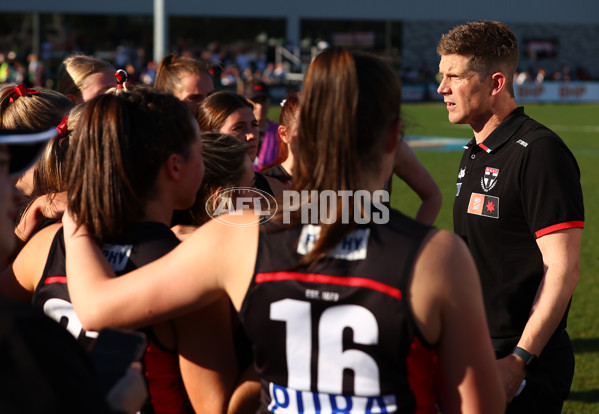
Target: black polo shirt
<point>520,183</point>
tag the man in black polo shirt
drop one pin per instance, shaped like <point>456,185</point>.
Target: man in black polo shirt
<point>519,208</point>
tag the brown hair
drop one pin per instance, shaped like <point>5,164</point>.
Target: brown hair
<point>348,102</point>
<point>288,115</point>
<point>491,47</point>
<point>172,68</point>
<point>75,70</point>
<point>117,148</point>
<point>215,109</point>
<point>39,109</point>
<point>224,156</point>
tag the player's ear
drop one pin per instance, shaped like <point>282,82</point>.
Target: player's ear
<point>173,166</point>
<point>282,130</point>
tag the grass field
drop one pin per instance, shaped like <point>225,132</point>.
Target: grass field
<point>578,125</point>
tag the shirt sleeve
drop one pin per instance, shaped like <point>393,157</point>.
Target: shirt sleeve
<point>551,190</point>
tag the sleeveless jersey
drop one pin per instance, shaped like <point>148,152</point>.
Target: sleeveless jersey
<point>261,183</point>
<point>147,242</point>
<point>339,337</point>
<point>278,172</point>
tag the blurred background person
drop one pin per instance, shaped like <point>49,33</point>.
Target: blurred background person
<point>268,142</point>
<point>82,77</point>
<point>282,166</point>
<point>186,78</point>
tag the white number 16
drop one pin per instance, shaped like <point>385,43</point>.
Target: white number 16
<point>332,359</point>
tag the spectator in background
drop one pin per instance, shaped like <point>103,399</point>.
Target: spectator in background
<point>540,78</point>
<point>522,77</point>
<point>35,70</point>
<point>148,75</point>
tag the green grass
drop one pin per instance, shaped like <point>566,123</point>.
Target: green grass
<point>578,125</point>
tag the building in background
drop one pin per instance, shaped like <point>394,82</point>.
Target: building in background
<point>277,38</point>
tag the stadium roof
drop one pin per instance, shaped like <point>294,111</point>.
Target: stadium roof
<point>528,11</point>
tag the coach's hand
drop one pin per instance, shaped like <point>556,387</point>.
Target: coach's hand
<point>512,370</point>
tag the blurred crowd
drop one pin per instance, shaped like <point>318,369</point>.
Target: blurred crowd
<point>228,66</point>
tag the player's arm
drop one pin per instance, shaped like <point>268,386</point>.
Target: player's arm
<point>207,356</point>
<point>561,261</point>
<point>446,298</point>
<point>20,279</point>
<point>192,275</point>
<point>408,168</point>
<point>42,208</point>
<point>246,396</point>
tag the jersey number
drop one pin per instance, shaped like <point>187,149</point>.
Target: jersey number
<point>332,359</point>
<point>62,312</point>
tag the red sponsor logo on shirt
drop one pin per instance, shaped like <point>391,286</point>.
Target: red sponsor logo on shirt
<point>484,205</point>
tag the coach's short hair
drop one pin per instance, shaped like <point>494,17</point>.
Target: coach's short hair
<point>490,45</point>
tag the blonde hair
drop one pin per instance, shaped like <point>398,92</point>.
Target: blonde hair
<point>173,68</point>
<point>38,109</point>
<point>74,71</point>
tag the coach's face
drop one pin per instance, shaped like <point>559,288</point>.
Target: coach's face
<point>466,94</point>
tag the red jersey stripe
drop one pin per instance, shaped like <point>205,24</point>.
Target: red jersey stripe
<point>560,226</point>
<point>55,279</point>
<point>483,146</point>
<point>331,280</point>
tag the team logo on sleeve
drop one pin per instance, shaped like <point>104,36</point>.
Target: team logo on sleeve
<point>484,205</point>
<point>462,173</point>
<point>489,179</point>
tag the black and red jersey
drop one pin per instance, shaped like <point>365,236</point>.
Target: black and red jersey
<point>146,243</point>
<point>339,337</point>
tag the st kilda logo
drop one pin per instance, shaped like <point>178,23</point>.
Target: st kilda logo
<point>488,181</point>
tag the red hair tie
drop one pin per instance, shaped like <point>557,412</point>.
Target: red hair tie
<point>121,78</point>
<point>62,128</point>
<point>21,90</point>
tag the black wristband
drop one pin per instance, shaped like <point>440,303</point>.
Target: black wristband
<point>529,359</point>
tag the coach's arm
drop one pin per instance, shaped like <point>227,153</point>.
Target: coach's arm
<point>561,260</point>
